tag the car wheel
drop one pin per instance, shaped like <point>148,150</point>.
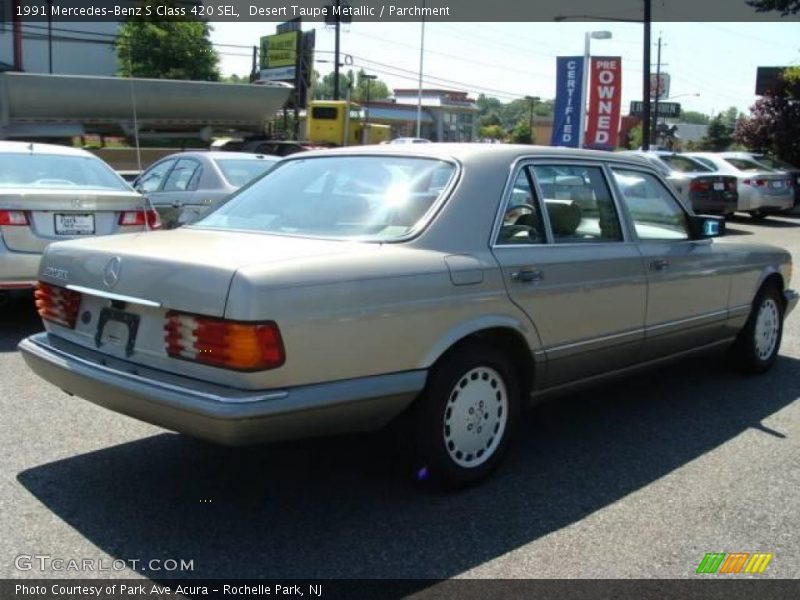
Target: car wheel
<point>758,215</point>
<point>758,343</point>
<point>466,416</point>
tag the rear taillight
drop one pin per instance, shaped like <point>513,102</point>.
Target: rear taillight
<point>138,218</point>
<point>57,304</point>
<point>13,217</point>
<point>241,346</point>
<point>698,186</point>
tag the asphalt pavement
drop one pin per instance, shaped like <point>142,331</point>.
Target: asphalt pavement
<point>633,479</point>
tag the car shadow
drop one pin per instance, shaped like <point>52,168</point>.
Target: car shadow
<point>347,508</point>
<point>777,222</point>
<point>730,231</point>
<point>18,320</point>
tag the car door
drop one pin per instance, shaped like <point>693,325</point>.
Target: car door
<point>567,263</point>
<point>688,282</point>
<point>176,199</point>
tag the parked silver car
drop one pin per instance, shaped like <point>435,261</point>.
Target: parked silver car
<point>775,164</point>
<point>699,186</point>
<point>762,191</point>
<point>447,283</point>
<point>50,193</point>
<point>185,186</point>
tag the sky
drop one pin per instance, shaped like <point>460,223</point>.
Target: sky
<point>712,65</point>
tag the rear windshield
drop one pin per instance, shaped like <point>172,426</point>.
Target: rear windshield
<point>744,164</point>
<point>56,171</point>
<point>239,171</point>
<point>348,197</point>
<point>684,164</point>
<point>774,163</point>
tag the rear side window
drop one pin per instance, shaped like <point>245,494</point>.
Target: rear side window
<point>578,204</point>
<point>656,214</point>
<point>684,164</point>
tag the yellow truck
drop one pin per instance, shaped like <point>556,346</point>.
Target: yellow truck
<point>341,123</point>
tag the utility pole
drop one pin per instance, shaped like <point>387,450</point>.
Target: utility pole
<point>338,26</point>
<point>648,20</point>
<point>654,134</point>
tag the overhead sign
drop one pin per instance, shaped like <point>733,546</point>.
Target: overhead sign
<point>668,110</point>
<point>569,101</point>
<point>659,85</point>
<point>605,96</point>
<point>768,79</point>
<point>279,50</point>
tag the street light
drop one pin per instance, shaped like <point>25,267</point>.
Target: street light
<point>533,100</point>
<point>590,35</point>
<point>365,131</point>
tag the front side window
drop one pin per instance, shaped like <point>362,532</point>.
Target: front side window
<point>181,177</point>
<point>151,180</point>
<point>656,214</point>
<point>578,204</point>
<point>376,198</point>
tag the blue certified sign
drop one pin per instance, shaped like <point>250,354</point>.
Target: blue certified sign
<point>569,101</point>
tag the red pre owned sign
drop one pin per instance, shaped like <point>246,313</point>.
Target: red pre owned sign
<point>602,129</point>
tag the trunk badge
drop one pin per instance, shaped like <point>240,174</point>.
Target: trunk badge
<point>111,272</point>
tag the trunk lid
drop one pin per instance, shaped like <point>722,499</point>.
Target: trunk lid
<point>63,214</point>
<point>189,270</point>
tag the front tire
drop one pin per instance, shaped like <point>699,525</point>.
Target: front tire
<point>466,417</point>
<point>758,215</point>
<point>756,348</point>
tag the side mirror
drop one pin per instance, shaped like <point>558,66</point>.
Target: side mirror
<point>706,226</point>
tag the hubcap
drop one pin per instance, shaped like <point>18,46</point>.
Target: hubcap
<point>767,328</point>
<point>475,417</point>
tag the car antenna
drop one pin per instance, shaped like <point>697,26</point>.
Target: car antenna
<point>136,136</point>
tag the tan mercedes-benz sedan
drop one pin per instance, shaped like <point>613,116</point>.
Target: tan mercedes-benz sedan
<point>449,284</point>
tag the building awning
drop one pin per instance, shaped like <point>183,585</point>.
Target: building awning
<point>385,113</point>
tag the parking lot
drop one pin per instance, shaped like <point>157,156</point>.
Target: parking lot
<point>639,478</point>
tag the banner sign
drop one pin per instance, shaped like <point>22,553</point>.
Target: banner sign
<point>279,50</point>
<point>569,101</point>
<point>659,85</point>
<point>605,96</point>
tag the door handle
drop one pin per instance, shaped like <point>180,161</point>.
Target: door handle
<point>527,276</point>
<point>659,265</point>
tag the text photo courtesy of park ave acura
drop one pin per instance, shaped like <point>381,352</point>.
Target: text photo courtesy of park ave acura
<point>411,299</point>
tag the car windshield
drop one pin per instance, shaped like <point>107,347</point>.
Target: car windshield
<point>744,164</point>
<point>240,171</point>
<point>684,164</point>
<point>379,198</point>
<point>57,171</point>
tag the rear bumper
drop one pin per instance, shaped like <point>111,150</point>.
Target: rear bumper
<point>18,270</point>
<point>215,413</point>
<point>790,301</point>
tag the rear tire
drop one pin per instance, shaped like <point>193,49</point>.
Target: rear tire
<point>465,419</point>
<point>758,215</point>
<point>756,348</point>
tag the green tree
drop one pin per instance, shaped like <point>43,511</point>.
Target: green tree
<point>164,48</point>
<point>719,136</point>
<point>378,90</point>
<point>492,132</point>
<point>774,122</point>
<point>521,134</point>
<point>635,137</point>
<point>234,78</point>
<point>785,7</point>
<point>695,118</point>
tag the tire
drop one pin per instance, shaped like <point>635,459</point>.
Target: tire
<point>758,343</point>
<point>465,418</point>
<point>758,215</point>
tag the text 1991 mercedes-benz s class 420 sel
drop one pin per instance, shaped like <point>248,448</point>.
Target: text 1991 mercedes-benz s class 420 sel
<point>447,283</point>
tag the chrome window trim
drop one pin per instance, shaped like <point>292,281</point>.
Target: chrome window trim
<point>527,161</point>
<point>670,191</point>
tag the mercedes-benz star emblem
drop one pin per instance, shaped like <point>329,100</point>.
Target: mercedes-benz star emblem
<point>111,273</point>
